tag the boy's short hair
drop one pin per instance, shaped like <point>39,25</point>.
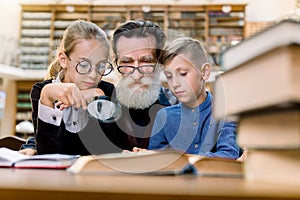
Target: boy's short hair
<point>190,47</point>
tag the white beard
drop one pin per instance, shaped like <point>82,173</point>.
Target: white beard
<point>136,97</point>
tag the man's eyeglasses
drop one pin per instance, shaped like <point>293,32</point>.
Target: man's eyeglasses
<point>85,67</point>
<point>144,69</point>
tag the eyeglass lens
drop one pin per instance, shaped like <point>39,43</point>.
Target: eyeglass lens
<point>145,69</point>
<point>103,68</point>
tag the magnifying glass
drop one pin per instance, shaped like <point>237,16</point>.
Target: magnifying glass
<point>105,110</point>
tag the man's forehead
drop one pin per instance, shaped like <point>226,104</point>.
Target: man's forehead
<point>127,45</point>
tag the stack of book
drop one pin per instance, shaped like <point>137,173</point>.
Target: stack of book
<point>260,88</point>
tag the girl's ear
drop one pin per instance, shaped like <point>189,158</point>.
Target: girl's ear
<point>205,71</point>
<point>62,59</point>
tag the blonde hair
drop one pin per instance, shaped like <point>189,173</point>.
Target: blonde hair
<point>75,32</point>
<point>188,46</point>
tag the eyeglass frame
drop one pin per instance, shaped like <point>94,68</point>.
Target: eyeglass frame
<point>91,66</point>
<point>136,68</point>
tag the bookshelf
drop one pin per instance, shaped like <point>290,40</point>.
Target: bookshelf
<point>16,83</point>
<point>155,13</point>
<point>42,26</point>
<point>108,17</point>
<point>36,23</point>
<point>62,17</point>
<point>23,110</point>
<point>224,28</point>
<point>188,20</point>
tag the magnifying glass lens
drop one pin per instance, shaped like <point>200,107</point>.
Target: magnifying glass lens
<point>104,110</point>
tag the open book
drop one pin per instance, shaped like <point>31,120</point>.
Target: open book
<point>11,158</point>
<point>156,163</point>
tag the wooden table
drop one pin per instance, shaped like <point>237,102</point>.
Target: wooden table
<point>58,184</point>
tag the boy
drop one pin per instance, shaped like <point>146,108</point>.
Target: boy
<point>189,126</point>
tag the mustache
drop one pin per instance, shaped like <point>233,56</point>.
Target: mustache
<point>131,96</point>
<point>145,80</point>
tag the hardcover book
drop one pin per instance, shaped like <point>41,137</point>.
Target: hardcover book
<point>275,129</point>
<point>273,166</point>
<point>14,159</point>
<point>266,81</point>
<point>281,33</point>
<point>156,163</point>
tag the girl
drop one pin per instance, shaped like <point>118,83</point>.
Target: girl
<point>60,118</point>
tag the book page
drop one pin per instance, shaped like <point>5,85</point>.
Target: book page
<point>11,155</point>
<point>11,158</point>
<point>159,162</point>
<point>55,156</point>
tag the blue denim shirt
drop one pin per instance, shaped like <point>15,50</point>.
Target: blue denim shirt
<point>194,131</point>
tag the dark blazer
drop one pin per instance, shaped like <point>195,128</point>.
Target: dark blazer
<point>56,139</point>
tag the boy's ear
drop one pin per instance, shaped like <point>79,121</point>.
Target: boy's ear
<point>205,71</point>
<point>62,59</point>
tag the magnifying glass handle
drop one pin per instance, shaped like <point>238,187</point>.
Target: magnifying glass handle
<point>99,106</point>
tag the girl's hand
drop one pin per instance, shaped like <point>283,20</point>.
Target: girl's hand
<point>89,94</point>
<point>67,94</point>
<point>63,94</point>
<point>28,151</point>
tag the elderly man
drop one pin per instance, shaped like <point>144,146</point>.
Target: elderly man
<point>137,46</point>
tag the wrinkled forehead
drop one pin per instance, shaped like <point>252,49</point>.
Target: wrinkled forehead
<point>135,44</point>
